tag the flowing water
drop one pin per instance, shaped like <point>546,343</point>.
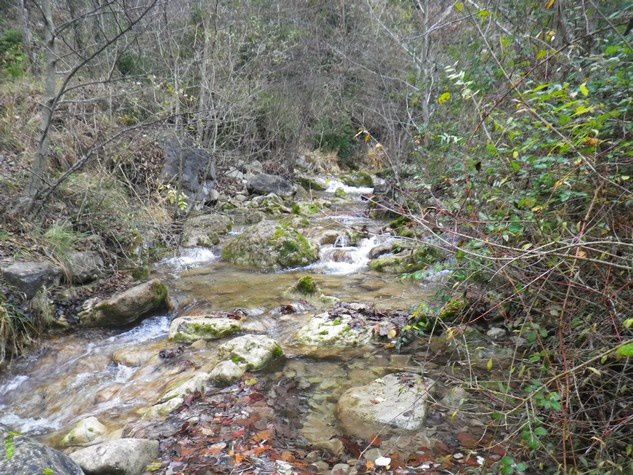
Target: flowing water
<point>113,374</point>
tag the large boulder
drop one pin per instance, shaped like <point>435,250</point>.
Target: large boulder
<point>263,184</point>
<point>205,230</point>
<point>20,455</point>
<point>202,327</point>
<point>393,404</point>
<point>84,266</point>
<point>30,276</point>
<point>85,432</point>
<point>191,169</point>
<point>270,246</point>
<point>120,456</point>
<point>125,308</point>
<point>325,334</point>
<point>253,352</point>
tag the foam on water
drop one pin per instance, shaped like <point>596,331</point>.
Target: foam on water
<point>12,384</point>
<point>28,424</point>
<point>188,258</point>
<point>333,185</point>
<point>148,329</point>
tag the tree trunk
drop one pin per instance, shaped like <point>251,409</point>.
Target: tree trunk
<point>40,163</point>
<point>28,37</point>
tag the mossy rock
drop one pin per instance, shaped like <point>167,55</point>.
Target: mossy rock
<point>192,328</point>
<point>271,246</point>
<point>340,193</point>
<point>406,262</point>
<point>125,308</point>
<point>306,208</point>
<point>306,285</point>
<point>311,183</point>
<point>358,179</point>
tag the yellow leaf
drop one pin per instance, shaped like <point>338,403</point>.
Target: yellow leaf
<point>444,98</point>
<point>515,154</point>
<point>489,365</point>
<point>583,89</point>
<point>459,6</point>
<point>550,4</point>
<point>392,333</point>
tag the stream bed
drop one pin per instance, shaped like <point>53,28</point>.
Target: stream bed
<point>114,375</point>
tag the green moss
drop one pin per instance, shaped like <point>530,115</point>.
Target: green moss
<point>306,286</point>
<point>293,247</point>
<point>358,179</point>
<point>340,193</point>
<point>278,352</point>
<point>310,183</point>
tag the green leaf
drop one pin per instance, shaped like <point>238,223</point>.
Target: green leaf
<point>625,351</point>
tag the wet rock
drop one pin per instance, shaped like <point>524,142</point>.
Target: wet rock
<point>84,266</point>
<point>227,372</point>
<point>395,403</point>
<point>311,183</point>
<point>84,432</point>
<point>329,237</point>
<point>270,246</point>
<point>132,357</point>
<point>125,308</point>
<point>191,328</point>
<point>174,398</point>
<point>30,457</point>
<point>323,332</point>
<point>121,457</point>
<point>341,469</point>
<point>263,184</point>
<point>251,351</point>
<point>30,276</point>
<point>205,230</point>
<point>378,251</point>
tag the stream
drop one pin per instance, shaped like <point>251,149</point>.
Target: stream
<point>115,374</point>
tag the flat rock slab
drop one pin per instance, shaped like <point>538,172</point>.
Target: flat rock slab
<point>191,328</point>
<point>323,333</point>
<point>121,457</point>
<point>20,455</point>
<point>393,404</point>
<point>30,276</point>
<point>251,351</point>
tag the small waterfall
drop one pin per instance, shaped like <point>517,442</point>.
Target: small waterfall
<point>344,259</point>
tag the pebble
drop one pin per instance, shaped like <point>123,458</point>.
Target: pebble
<point>340,469</point>
<point>372,454</point>
<point>496,333</point>
<point>320,466</point>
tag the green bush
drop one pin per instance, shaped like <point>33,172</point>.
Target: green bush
<point>12,55</point>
